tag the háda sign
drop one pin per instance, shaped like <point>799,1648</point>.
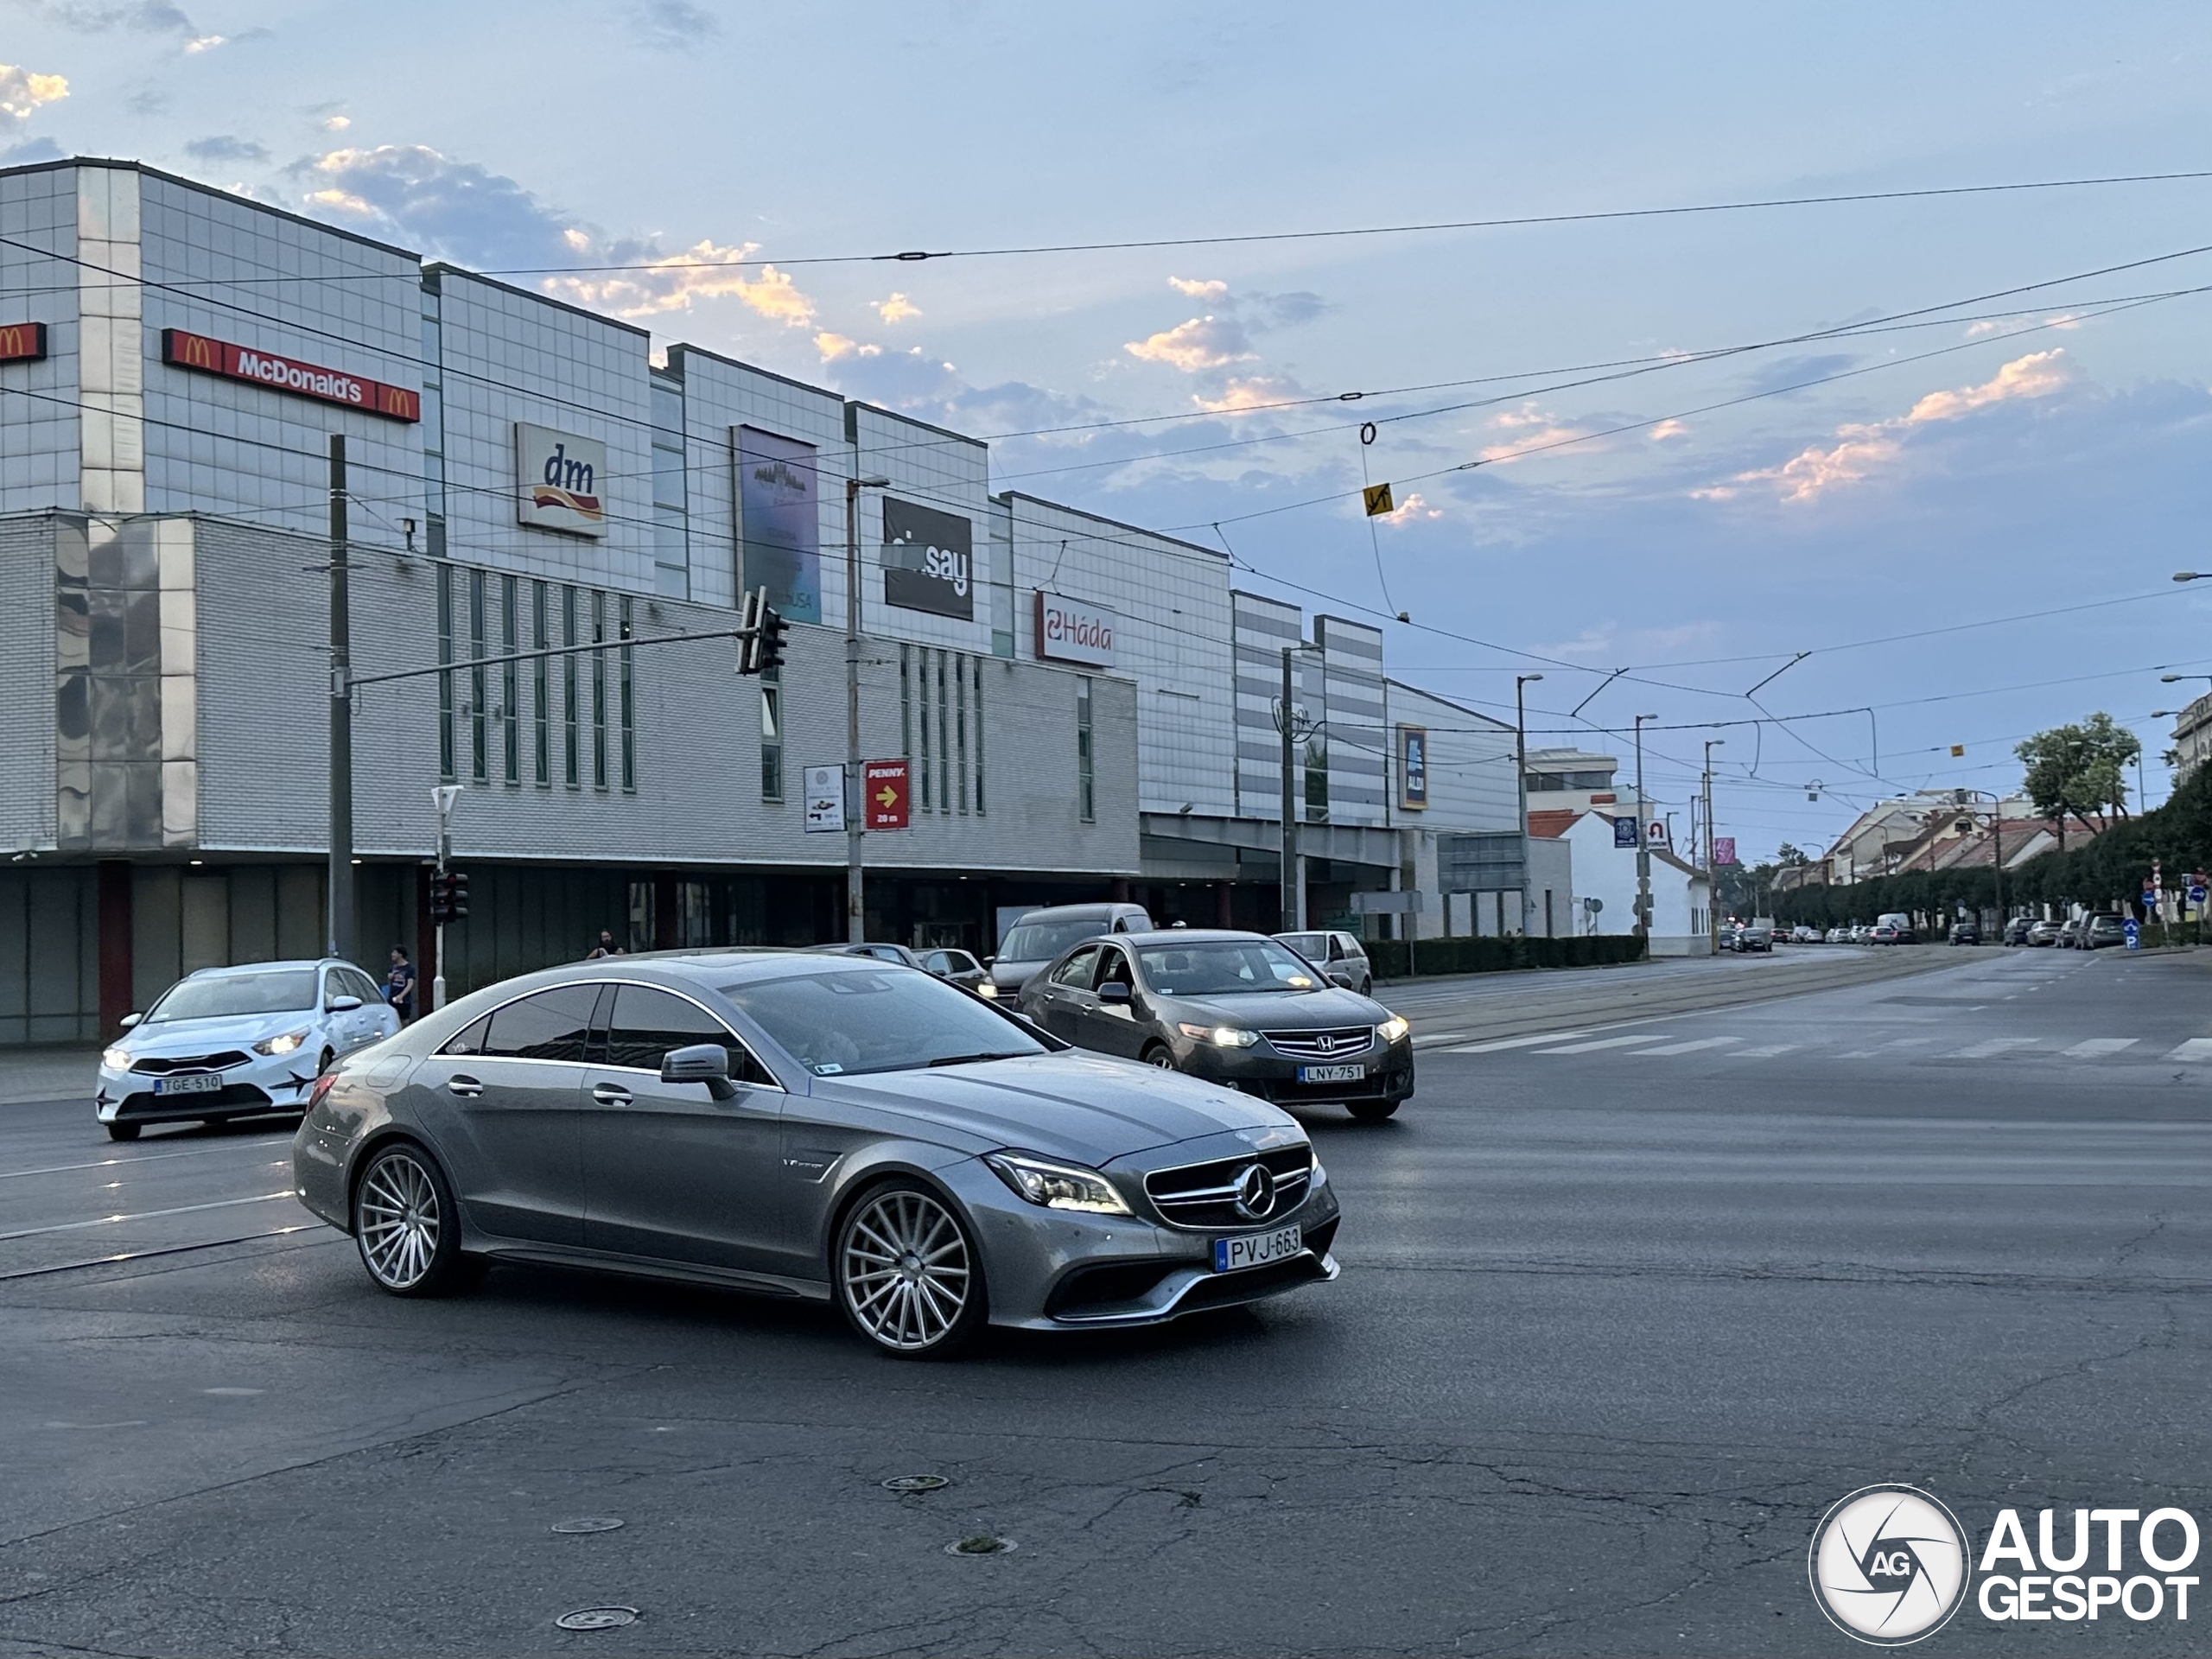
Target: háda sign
<point>559,480</point>
<point>1068,631</point>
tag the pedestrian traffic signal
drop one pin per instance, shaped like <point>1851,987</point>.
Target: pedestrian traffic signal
<point>448,896</point>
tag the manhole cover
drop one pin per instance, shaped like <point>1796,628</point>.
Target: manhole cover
<point>983,1543</point>
<point>597,1619</point>
<point>916,1484</point>
<point>588,1524</point>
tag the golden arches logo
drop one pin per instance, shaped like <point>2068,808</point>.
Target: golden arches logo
<point>22,342</point>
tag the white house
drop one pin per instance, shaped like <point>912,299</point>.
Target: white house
<point>1605,885</point>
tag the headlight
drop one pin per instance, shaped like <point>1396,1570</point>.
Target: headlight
<point>1393,1028</point>
<point>1221,1036</point>
<point>1056,1186</point>
<point>989,989</point>
<point>116,1059</point>
<point>283,1044</point>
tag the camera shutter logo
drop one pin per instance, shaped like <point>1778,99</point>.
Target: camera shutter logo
<point>1888,1565</point>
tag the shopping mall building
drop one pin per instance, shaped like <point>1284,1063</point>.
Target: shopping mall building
<point>1086,709</point>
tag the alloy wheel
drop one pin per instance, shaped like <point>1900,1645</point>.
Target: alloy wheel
<point>398,1222</point>
<point>1162,1058</point>
<point>907,1270</point>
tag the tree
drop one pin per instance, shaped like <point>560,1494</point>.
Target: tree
<point>2069,770</point>
<point>1791,858</point>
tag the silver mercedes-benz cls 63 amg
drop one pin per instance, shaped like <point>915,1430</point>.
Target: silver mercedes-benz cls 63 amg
<point>811,1126</point>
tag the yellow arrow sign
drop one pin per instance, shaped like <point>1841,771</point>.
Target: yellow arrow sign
<point>886,798</point>
<point>1377,497</point>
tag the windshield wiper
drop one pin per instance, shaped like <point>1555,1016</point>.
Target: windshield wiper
<point>970,1059</point>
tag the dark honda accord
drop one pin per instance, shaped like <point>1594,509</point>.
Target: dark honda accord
<point>1238,1009</point>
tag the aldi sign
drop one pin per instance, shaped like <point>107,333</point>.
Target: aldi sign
<point>281,374</point>
<point>1068,631</point>
<point>559,478</point>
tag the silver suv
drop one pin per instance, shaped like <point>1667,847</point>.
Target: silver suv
<point>1035,942</point>
<point>1339,955</point>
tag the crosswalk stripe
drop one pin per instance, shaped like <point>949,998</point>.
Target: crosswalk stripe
<point>1766,1052</point>
<point>1515,1042</point>
<point>1437,1039</point>
<point>1691,1048</point>
<point>2095,1046</point>
<point>2196,1048</point>
<point>1607,1042</point>
<point>1991,1047</point>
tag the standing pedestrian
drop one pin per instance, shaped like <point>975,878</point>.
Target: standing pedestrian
<point>399,985</point>
<point>606,947</point>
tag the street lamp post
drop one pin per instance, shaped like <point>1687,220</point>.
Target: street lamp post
<point>855,906</point>
<point>1711,872</point>
<point>1643,848</point>
<point>1520,773</point>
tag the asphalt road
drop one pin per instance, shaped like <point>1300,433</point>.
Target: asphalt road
<point>1623,1310</point>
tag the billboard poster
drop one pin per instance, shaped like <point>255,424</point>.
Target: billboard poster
<point>1724,849</point>
<point>888,793</point>
<point>559,478</point>
<point>780,521</point>
<point>1412,768</point>
<point>929,560</point>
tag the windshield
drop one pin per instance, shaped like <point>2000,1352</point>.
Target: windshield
<point>1042,941</point>
<point>1314,947</point>
<point>841,1023</point>
<point>1223,967</point>
<point>278,991</point>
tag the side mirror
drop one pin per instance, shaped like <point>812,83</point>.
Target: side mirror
<point>342,1004</point>
<point>707,1063</point>
<point>131,1019</point>
<point>988,961</point>
<point>1113,991</point>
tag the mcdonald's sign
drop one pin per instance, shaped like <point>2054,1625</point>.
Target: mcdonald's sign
<point>218,357</point>
<point>22,342</point>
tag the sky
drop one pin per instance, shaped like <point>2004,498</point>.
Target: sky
<point>1968,518</point>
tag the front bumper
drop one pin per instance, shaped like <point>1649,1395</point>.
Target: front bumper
<point>1260,1071</point>
<point>273,1083</point>
<point>1065,1270</point>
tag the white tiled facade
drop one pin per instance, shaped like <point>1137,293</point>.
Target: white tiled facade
<point>198,507</point>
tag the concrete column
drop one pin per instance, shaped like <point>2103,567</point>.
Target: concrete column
<point>115,964</point>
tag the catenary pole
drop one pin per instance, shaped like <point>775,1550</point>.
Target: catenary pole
<point>1292,917</point>
<point>1520,783</point>
<point>339,881</point>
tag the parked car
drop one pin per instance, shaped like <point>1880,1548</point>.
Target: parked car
<point>2016,931</point>
<point>1839,936</point>
<point>1900,926</point>
<point>1966,933</point>
<point>232,1042</point>
<point>879,953</point>
<point>1805,934</point>
<point>1887,933</point>
<point>1033,942</point>
<point>811,1125</point>
<point>1340,955</point>
<point>957,967</point>
<point>1754,936</point>
<point>2043,932</point>
<point>2069,932</point>
<point>1238,1009</point>
<point>2102,928</point>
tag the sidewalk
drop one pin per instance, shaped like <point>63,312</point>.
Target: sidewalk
<point>47,1073</point>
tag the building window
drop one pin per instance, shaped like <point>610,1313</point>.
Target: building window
<point>922,706</point>
<point>772,738</point>
<point>905,701</point>
<point>598,690</point>
<point>960,726</point>
<point>573,773</point>
<point>943,737</point>
<point>510,678</point>
<point>445,680</point>
<point>1085,789</point>
<point>671,499</point>
<point>433,424</point>
<point>541,713</point>
<point>479,756</point>
<point>977,663</point>
<point>629,704</point>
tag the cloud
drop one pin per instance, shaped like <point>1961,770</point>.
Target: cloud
<point>144,17</point>
<point>223,147</point>
<point>1285,310</point>
<point>658,283</point>
<point>1198,287</point>
<point>672,25</point>
<point>147,100</point>
<point>1250,391</point>
<point>1862,449</point>
<point>1794,372</point>
<point>1414,508</point>
<point>898,309</point>
<point>1199,344</point>
<point>1667,428</point>
<point>834,345</point>
<point>412,194</point>
<point>22,91</point>
<point>200,43</point>
<point>1531,428</point>
<point>336,122</point>
<point>30,152</point>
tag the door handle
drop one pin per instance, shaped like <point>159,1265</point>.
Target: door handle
<point>464,1085</point>
<point>610,1094</point>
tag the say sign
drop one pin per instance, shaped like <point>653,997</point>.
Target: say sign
<point>885,795</point>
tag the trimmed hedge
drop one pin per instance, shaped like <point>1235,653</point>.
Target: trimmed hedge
<point>1497,955</point>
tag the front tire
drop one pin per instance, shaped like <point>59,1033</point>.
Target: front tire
<point>123,1131</point>
<point>406,1224</point>
<point>1371,1111</point>
<point>1162,1056</point>
<point>1367,986</point>
<point>908,1274</point>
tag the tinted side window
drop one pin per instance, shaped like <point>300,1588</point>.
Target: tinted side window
<point>1114,967</point>
<point>470,1039</point>
<point>549,1026</point>
<point>647,1023</point>
<point>1076,971</point>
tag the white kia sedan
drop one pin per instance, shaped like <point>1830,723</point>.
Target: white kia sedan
<point>230,1042</point>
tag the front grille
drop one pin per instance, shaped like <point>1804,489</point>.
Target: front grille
<point>162,1065</point>
<point>1203,1196</point>
<point>1347,1042</point>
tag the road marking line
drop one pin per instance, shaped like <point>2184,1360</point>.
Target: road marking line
<point>1608,1042</point>
<point>1991,1047</point>
<point>2097,1045</point>
<point>2196,1048</point>
<point>1762,1053</point>
<point>1515,1042</point>
<point>1437,1039</point>
<point>143,1158</point>
<point>1691,1048</point>
<point>144,1215</point>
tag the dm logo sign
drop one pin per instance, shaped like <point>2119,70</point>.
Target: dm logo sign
<point>560,480</point>
<point>1889,1565</point>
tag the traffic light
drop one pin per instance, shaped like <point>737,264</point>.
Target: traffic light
<point>448,896</point>
<point>760,648</point>
<point>774,629</point>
